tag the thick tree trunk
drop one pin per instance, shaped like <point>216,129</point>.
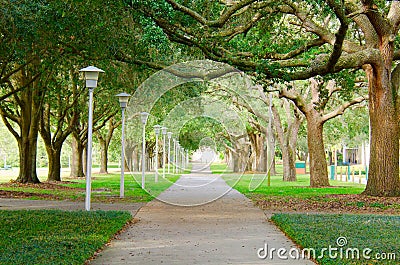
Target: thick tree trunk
<point>318,165</point>
<point>77,159</point>
<point>383,177</point>
<point>289,160</point>
<point>27,146</point>
<point>235,162</point>
<point>54,156</point>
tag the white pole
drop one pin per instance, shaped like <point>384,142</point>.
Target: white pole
<point>169,152</point>
<point>143,153</point>
<point>164,155</point>
<point>122,183</point>
<point>89,152</point>
<point>174,165</point>
<point>156,158</point>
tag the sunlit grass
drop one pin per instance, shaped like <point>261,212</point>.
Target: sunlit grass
<point>56,237</point>
<point>318,231</point>
<point>105,187</point>
<point>257,184</point>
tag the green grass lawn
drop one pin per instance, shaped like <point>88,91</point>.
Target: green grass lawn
<point>56,237</point>
<point>218,168</point>
<point>362,232</point>
<point>256,184</point>
<point>283,196</point>
<point>105,188</point>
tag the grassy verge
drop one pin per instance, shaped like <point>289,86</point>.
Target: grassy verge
<point>56,237</point>
<point>105,188</point>
<point>256,184</point>
<point>218,168</point>
<point>361,232</point>
<point>299,196</point>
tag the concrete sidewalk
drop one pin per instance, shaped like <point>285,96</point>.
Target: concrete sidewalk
<point>198,220</point>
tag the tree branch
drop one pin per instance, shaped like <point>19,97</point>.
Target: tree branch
<point>340,110</point>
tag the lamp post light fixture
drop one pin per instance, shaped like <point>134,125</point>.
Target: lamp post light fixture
<point>91,78</point>
<point>164,133</point>
<point>123,102</point>
<point>157,129</point>
<point>169,134</point>
<point>143,117</point>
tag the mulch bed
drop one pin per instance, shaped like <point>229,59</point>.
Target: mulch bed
<point>23,195</point>
<point>42,186</point>
<point>48,185</point>
<point>331,204</point>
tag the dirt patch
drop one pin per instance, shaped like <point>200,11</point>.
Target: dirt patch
<point>23,195</point>
<point>18,190</point>
<point>331,203</point>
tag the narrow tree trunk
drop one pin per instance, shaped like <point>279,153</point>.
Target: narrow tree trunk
<point>77,159</point>
<point>129,159</point>
<point>288,159</point>
<point>273,166</point>
<point>54,156</point>
<point>126,166</point>
<point>262,163</point>
<point>103,157</point>
<point>318,165</point>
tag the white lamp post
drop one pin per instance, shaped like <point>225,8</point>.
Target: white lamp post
<point>123,102</point>
<point>143,117</point>
<point>177,156</point>
<point>169,134</point>
<point>164,132</point>
<point>174,157</point>
<point>157,129</point>
<point>91,77</point>
<point>183,159</point>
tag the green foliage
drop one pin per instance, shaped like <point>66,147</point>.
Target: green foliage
<point>319,231</point>
<point>351,129</point>
<point>56,237</point>
<point>192,134</point>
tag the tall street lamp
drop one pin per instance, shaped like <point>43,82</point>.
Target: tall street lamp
<point>157,129</point>
<point>143,117</point>
<point>174,156</point>
<point>123,102</point>
<point>164,133</point>
<point>91,77</point>
<point>169,134</point>
<point>177,156</point>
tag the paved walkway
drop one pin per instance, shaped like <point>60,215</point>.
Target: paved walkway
<point>199,220</point>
